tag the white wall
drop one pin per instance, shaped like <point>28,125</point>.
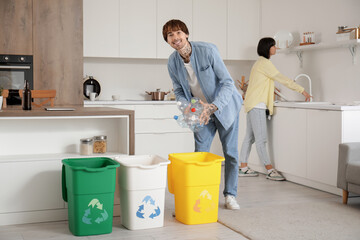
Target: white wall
<point>334,78</point>
<point>130,78</point>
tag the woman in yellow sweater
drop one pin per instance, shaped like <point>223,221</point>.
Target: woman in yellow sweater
<point>259,100</point>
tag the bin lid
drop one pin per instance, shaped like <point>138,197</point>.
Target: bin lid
<point>198,158</point>
<point>142,161</point>
<point>95,164</point>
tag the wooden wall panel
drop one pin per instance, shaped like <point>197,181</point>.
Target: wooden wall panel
<point>16,27</point>
<point>58,49</point>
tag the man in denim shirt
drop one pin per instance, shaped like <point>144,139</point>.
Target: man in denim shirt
<point>197,70</point>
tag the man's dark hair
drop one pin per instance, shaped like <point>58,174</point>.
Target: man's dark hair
<point>174,25</point>
<point>264,46</point>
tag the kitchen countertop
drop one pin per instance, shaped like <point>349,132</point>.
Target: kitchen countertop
<point>80,111</point>
<point>355,106</point>
<point>127,102</point>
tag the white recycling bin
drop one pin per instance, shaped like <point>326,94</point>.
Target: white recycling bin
<point>142,182</point>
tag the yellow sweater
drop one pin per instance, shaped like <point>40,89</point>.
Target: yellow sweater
<point>261,84</point>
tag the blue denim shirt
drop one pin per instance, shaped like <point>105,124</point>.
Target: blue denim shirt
<point>214,79</point>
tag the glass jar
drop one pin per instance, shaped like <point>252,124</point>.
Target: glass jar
<point>100,144</point>
<point>86,146</point>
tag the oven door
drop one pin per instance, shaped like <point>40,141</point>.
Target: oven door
<point>13,77</point>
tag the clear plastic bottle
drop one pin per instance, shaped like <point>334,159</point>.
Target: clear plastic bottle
<point>182,105</point>
<point>181,121</point>
<point>191,114</point>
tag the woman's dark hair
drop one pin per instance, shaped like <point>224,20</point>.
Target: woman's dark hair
<point>264,46</point>
<point>174,25</point>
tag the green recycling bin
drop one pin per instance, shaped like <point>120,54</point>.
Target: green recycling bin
<point>88,185</point>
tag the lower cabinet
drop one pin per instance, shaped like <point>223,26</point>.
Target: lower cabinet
<point>33,185</point>
<point>324,133</point>
<point>156,131</point>
<point>287,141</point>
<point>303,145</point>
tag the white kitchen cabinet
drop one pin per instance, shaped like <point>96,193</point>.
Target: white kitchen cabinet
<point>101,28</point>
<point>32,186</point>
<point>165,12</point>
<point>133,28</point>
<point>156,132</point>
<point>138,28</point>
<point>243,29</point>
<point>30,164</point>
<point>323,139</point>
<point>287,141</point>
<point>210,23</point>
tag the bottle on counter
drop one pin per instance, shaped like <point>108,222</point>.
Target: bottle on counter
<point>100,144</point>
<point>86,146</point>
<point>26,98</point>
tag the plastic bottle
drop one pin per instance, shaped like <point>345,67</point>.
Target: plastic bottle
<point>190,114</point>
<point>182,105</point>
<point>26,98</point>
<point>181,121</point>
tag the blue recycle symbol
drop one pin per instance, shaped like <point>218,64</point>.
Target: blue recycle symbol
<point>95,211</point>
<point>148,204</point>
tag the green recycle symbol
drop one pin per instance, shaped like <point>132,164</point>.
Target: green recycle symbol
<point>95,212</point>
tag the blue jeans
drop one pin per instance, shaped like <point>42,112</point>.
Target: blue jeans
<point>229,141</point>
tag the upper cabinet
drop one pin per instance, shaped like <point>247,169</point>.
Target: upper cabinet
<point>101,28</point>
<point>58,49</point>
<point>16,27</point>
<point>165,12</point>
<point>133,28</point>
<point>210,23</point>
<point>138,28</point>
<point>243,26</point>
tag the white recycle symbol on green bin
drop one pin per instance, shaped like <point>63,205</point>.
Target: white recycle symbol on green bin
<point>95,213</point>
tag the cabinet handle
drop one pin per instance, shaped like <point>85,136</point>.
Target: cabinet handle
<point>14,67</point>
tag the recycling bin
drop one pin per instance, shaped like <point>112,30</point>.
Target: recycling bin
<point>88,185</point>
<point>194,179</point>
<point>142,183</point>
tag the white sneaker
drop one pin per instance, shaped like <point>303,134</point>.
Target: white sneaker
<point>275,175</point>
<point>231,203</point>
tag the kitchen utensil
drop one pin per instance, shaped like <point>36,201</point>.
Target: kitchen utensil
<point>283,39</point>
<point>158,95</point>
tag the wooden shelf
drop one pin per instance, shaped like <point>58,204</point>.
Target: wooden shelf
<point>350,44</point>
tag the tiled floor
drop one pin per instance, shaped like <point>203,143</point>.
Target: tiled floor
<point>253,192</point>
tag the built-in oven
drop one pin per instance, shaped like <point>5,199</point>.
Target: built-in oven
<point>14,70</point>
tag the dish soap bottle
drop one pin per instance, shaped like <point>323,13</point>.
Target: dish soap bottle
<point>26,98</point>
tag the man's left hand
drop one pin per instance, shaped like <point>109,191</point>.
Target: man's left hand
<point>209,109</point>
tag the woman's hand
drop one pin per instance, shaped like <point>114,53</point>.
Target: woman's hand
<point>206,113</point>
<point>307,96</point>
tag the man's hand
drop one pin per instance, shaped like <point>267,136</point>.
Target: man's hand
<point>209,109</point>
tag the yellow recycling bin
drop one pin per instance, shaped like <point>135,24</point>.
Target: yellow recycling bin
<point>194,179</point>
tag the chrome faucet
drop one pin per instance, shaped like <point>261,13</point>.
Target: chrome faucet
<point>309,79</point>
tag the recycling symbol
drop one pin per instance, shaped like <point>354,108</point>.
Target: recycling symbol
<point>204,203</point>
<point>95,213</point>
<point>148,208</point>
